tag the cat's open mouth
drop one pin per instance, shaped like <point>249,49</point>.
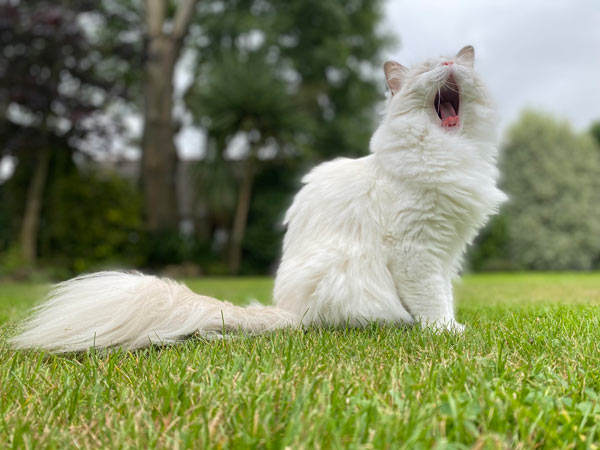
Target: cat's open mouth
<point>447,103</point>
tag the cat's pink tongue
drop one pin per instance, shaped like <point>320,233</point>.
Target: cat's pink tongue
<point>449,116</point>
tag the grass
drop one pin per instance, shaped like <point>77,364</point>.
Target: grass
<point>526,374</point>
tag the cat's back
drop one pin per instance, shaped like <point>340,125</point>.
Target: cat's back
<point>339,177</point>
<point>335,195</point>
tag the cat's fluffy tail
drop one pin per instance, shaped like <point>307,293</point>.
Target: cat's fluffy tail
<point>132,310</point>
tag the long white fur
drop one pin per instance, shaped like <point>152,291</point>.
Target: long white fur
<point>377,238</point>
<point>108,309</point>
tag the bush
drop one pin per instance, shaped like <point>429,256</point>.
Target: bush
<point>490,249</point>
<point>91,222</point>
<point>552,221</point>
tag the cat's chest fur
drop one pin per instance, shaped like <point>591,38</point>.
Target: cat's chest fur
<point>438,211</point>
<point>439,190</point>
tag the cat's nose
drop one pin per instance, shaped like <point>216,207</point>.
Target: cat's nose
<point>447,63</point>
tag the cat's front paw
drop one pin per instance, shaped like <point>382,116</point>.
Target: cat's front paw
<point>456,327</point>
<point>451,326</point>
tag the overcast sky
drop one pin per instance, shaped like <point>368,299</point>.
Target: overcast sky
<point>538,53</point>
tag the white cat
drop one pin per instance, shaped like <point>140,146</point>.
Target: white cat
<point>374,239</point>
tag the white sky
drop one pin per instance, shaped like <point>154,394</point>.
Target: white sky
<point>538,53</point>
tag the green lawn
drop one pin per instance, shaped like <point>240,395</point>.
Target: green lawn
<point>525,374</point>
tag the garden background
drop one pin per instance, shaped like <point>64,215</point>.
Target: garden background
<point>171,136</point>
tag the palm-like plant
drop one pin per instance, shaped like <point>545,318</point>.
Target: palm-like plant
<point>246,98</point>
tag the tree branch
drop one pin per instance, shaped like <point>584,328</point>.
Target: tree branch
<point>183,17</point>
<point>155,16</point>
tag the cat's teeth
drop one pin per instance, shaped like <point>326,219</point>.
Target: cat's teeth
<point>451,121</point>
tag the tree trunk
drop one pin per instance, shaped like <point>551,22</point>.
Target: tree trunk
<point>31,217</point>
<point>241,216</point>
<point>159,158</point>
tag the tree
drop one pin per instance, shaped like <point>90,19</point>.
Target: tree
<point>551,175</point>
<point>261,111</point>
<point>291,80</point>
<point>50,89</point>
<point>165,33</point>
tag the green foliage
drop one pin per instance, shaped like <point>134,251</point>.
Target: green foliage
<point>215,184</point>
<point>325,52</point>
<point>490,249</point>
<point>294,81</point>
<point>11,211</point>
<point>551,175</point>
<point>59,71</point>
<point>230,102</point>
<point>274,189</point>
<point>11,261</point>
<point>170,247</point>
<point>595,132</point>
<point>523,375</point>
<point>91,221</point>
<point>294,78</point>
<point>13,194</point>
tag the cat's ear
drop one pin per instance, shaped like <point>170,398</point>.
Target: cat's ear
<point>394,75</point>
<point>467,55</point>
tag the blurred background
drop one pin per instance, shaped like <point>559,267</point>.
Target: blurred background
<point>171,135</point>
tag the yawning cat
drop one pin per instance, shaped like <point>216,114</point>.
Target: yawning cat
<point>373,239</point>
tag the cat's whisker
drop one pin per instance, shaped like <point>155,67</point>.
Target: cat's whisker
<point>451,88</point>
<point>428,95</point>
<point>480,90</point>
